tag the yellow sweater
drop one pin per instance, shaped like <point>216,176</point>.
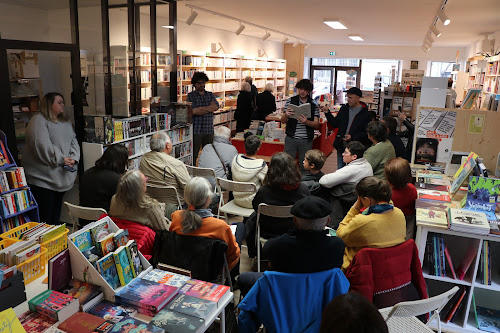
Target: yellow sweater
<point>374,230</point>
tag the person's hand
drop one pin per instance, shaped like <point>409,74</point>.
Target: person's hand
<point>325,109</point>
<point>401,116</point>
<point>288,112</point>
<point>69,161</point>
<point>302,119</point>
<point>347,137</point>
<point>358,204</point>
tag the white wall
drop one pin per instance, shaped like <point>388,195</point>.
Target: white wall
<point>18,22</point>
<point>476,46</point>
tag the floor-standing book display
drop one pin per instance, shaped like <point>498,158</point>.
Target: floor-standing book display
<point>17,203</point>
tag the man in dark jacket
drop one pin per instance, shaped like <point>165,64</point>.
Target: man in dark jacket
<point>351,121</point>
<point>392,125</point>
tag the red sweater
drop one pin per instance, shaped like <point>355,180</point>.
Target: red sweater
<point>404,198</point>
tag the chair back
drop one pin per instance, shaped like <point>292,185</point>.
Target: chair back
<point>86,213</point>
<point>231,185</point>
<point>162,193</point>
<point>200,172</point>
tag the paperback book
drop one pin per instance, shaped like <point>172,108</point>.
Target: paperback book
<point>168,278</point>
<point>112,311</point>
<point>59,271</point>
<point>488,319</point>
<point>35,322</point>
<point>192,306</point>
<point>172,321</point>
<point>129,324</point>
<point>435,218</point>
<point>482,195</point>
<point>302,110</point>
<point>123,265</point>
<point>83,291</point>
<point>433,195</point>
<point>133,257</point>
<point>121,238</point>
<point>81,322</point>
<point>54,304</point>
<point>205,290</point>
<point>106,267</point>
<point>82,239</point>
<point>9,322</point>
<point>463,172</point>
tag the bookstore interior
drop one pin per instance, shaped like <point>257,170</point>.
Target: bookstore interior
<point>123,70</point>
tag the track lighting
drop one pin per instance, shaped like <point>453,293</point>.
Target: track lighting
<point>435,31</point>
<point>429,38</point>
<point>296,43</point>
<point>266,36</point>
<point>442,16</point>
<point>306,46</point>
<point>285,39</point>
<point>240,29</point>
<point>191,17</point>
<point>426,49</point>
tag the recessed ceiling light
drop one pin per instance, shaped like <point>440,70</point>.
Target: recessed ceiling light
<point>167,26</point>
<point>356,37</point>
<point>334,24</point>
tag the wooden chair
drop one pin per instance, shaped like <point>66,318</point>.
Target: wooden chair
<point>161,192</point>
<point>273,211</point>
<point>86,213</point>
<point>231,207</point>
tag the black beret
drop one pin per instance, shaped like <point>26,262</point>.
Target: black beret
<point>355,91</point>
<point>311,208</point>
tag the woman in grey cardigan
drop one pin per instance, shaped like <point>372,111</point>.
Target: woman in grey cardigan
<point>50,156</point>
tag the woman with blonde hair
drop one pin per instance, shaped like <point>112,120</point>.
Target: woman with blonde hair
<point>132,203</point>
<point>50,157</point>
<point>198,220</point>
<point>244,108</point>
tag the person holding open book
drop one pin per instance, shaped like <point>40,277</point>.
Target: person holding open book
<point>300,128</point>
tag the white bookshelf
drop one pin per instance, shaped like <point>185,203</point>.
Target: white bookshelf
<point>458,244</point>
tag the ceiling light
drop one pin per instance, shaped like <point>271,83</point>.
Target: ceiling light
<point>427,42</point>
<point>266,36</point>
<point>435,31</point>
<point>285,39</point>
<point>306,46</point>
<point>296,43</point>
<point>425,49</point>
<point>442,16</point>
<point>334,24</point>
<point>240,29</point>
<point>167,26</point>
<point>191,17</point>
<point>429,38</point>
<point>356,37</point>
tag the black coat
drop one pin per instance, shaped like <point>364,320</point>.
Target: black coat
<point>97,187</point>
<point>358,126</point>
<point>244,110</point>
<point>266,104</point>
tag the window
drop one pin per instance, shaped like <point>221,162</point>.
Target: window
<point>335,62</point>
<point>441,69</point>
<point>370,69</point>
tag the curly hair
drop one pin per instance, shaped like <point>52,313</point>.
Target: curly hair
<point>377,130</point>
<point>199,76</point>
<point>283,172</point>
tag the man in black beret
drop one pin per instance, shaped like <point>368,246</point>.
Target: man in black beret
<point>310,249</point>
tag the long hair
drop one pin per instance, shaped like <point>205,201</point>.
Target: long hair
<point>46,108</point>
<point>196,193</point>
<point>115,158</point>
<point>282,172</point>
<point>130,191</point>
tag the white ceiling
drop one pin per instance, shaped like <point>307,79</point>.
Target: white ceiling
<point>382,22</point>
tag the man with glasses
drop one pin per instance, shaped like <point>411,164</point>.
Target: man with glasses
<point>203,104</point>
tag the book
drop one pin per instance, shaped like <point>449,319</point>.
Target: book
<point>129,324</point>
<point>299,110</point>
<point>433,187</point>
<point>446,309</point>
<point>111,311</point>
<point>27,253</point>
<point>9,322</point>
<point>482,195</point>
<point>81,322</point>
<point>204,290</point>
<point>165,277</point>
<point>92,255</point>
<point>54,304</point>
<point>463,172</point>
<point>433,195</point>
<point>4,155</point>
<point>149,296</point>
<point>468,221</point>
<point>54,232</point>
<point>121,238</point>
<point>466,262</point>
<point>432,204</point>
<point>455,305</point>
<point>106,267</point>
<point>83,291</point>
<point>99,230</point>
<point>123,265</point>
<point>82,240</point>
<point>35,322</point>
<point>450,262</point>
<point>435,218</point>
<point>106,244</point>
<point>59,271</point>
<point>487,319</point>
<point>174,269</point>
<point>133,255</point>
<point>192,306</point>
<point>172,321</point>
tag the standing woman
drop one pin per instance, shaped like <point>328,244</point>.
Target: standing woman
<point>50,157</point>
<point>266,103</point>
<point>244,108</point>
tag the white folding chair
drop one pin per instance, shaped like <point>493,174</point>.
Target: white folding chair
<point>202,172</point>
<point>402,316</point>
<point>273,211</point>
<point>86,213</point>
<point>231,207</point>
<point>163,192</point>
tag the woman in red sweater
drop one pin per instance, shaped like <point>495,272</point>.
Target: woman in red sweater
<point>398,173</point>
<point>197,220</point>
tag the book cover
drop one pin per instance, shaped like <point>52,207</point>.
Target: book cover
<point>466,262</point>
<point>205,290</point>
<point>433,195</point>
<point>192,306</point>
<point>129,325</point>
<point>488,319</point>
<point>81,322</point>
<point>448,306</point>
<point>9,322</point>
<point>59,271</point>
<point>106,244</point>
<point>92,255</point>
<point>35,322</point>
<point>168,278</point>
<point>463,172</point>
<point>123,265</point>
<point>106,267</point>
<point>54,304</point>
<point>299,110</point>
<point>172,321</point>
<point>121,238</point>
<point>49,234</point>
<point>83,291</point>
<point>449,261</point>
<point>468,221</point>
<point>482,195</point>
<point>174,269</point>
<point>455,305</point>
<point>105,327</point>
<point>146,294</point>
<point>432,217</point>
<point>99,230</point>
<point>4,156</point>
<point>135,259</point>
<point>112,311</point>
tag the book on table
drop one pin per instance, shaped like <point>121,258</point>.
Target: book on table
<point>463,172</point>
<point>54,304</point>
<point>111,311</point>
<point>166,277</point>
<point>482,196</point>
<point>83,322</point>
<point>432,217</point>
<point>59,271</point>
<point>468,221</point>
<point>35,322</point>
<point>123,266</point>
<point>192,306</point>
<point>129,324</point>
<point>204,290</point>
<point>172,321</point>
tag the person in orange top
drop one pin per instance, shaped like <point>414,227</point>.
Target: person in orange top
<point>197,220</point>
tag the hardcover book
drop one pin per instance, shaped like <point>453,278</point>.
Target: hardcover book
<point>83,291</point>
<point>468,221</point>
<point>123,266</point>
<point>112,311</point>
<point>466,262</point>
<point>172,321</point>
<point>35,322</point>
<point>432,217</point>
<point>54,304</point>
<point>59,271</point>
<point>146,295</point>
<point>205,290</point>
<point>433,195</point>
<point>168,278</point>
<point>482,195</point>
<point>432,204</point>
<point>106,267</point>
<point>81,322</point>
<point>192,306</point>
<point>129,324</point>
<point>463,172</point>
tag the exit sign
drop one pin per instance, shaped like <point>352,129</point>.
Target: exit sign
<point>333,53</point>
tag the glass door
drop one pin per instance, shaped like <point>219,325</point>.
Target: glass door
<point>345,78</point>
<point>323,80</point>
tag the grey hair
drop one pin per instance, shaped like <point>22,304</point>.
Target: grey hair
<point>269,87</point>
<point>248,79</point>
<point>245,86</point>
<point>222,132</point>
<point>130,190</point>
<point>316,224</point>
<point>196,193</point>
<point>158,141</point>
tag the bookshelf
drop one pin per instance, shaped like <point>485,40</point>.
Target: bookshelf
<point>20,196</point>
<point>412,77</point>
<point>458,244</point>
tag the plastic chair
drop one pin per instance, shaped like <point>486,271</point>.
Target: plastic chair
<point>202,172</point>
<point>273,211</point>
<point>411,309</point>
<point>160,192</point>
<point>231,207</point>
<point>86,213</point>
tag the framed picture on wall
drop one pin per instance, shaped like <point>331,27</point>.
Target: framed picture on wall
<point>414,64</point>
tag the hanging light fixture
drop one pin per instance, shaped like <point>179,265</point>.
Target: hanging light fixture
<point>435,31</point>
<point>285,39</point>
<point>266,36</point>
<point>240,29</point>
<point>296,43</point>
<point>442,16</point>
<point>191,17</point>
